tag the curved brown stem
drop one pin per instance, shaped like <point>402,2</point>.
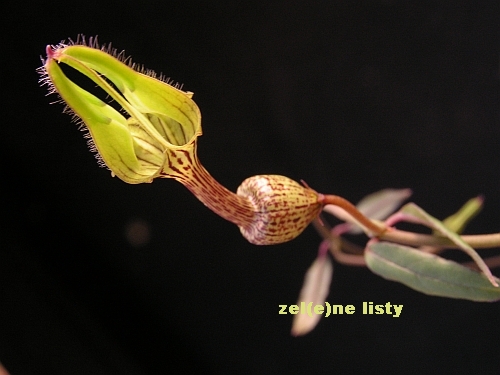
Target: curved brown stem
<point>335,200</point>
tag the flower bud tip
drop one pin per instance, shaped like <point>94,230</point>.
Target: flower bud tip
<point>49,51</point>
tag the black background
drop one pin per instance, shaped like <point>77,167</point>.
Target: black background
<point>351,96</point>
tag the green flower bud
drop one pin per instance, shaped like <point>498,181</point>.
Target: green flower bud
<point>158,117</point>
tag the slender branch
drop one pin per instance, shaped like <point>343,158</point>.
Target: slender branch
<point>492,262</point>
<point>337,244</point>
<point>478,241</point>
<point>348,259</point>
<point>322,228</point>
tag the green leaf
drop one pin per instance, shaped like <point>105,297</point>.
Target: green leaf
<point>416,214</point>
<point>467,212</point>
<point>429,273</point>
<point>314,290</point>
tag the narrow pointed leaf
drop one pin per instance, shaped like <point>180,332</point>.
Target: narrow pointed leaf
<point>315,289</point>
<point>429,273</point>
<point>457,222</point>
<point>420,216</point>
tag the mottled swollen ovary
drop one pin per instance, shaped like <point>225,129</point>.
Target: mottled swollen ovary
<point>282,208</point>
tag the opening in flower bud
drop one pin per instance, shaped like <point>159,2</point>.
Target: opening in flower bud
<point>158,117</point>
